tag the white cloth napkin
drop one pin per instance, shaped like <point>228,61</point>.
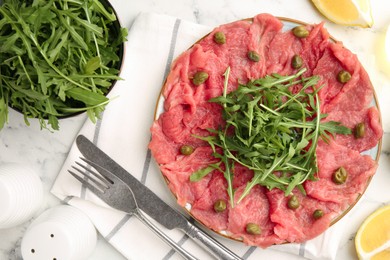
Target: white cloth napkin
<point>123,133</point>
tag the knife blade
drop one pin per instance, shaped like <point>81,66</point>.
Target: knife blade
<point>151,204</point>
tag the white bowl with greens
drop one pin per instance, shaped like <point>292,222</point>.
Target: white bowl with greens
<point>58,58</point>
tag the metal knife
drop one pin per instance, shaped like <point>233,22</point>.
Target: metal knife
<point>151,204</point>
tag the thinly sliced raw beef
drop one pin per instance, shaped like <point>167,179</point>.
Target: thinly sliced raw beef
<point>164,150</point>
<point>330,158</point>
<point>203,208</point>
<point>173,126</point>
<point>327,68</point>
<point>178,76</point>
<point>188,113</point>
<point>298,225</point>
<point>373,129</point>
<point>177,126</point>
<point>314,46</point>
<point>280,61</point>
<point>232,54</point>
<point>354,95</point>
<point>254,208</point>
<point>242,175</point>
<point>178,174</point>
<point>262,32</point>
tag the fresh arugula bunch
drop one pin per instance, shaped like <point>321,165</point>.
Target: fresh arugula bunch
<point>57,58</point>
<point>271,130</point>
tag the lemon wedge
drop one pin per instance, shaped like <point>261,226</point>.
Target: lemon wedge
<point>387,44</point>
<point>346,12</point>
<point>372,240</point>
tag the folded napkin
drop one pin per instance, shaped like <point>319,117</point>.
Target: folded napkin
<point>123,133</point>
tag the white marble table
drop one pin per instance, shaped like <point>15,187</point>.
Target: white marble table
<point>46,151</point>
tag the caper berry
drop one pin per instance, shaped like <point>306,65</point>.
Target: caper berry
<point>220,38</point>
<point>253,229</point>
<point>317,214</point>
<point>343,76</point>
<point>200,77</point>
<point>359,130</point>
<point>220,205</point>
<point>340,176</point>
<point>253,56</point>
<point>293,202</point>
<point>186,150</point>
<point>300,31</point>
<point>296,62</point>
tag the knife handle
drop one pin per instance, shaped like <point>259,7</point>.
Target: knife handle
<point>215,247</point>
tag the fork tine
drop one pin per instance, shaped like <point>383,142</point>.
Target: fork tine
<point>104,172</point>
<point>87,184</point>
<point>98,176</point>
<point>87,177</point>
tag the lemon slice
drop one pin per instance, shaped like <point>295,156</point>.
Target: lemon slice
<point>346,12</point>
<point>372,240</point>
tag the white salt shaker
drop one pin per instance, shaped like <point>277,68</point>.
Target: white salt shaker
<point>21,194</point>
<point>60,233</point>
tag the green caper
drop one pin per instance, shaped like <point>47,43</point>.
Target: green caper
<point>300,31</point>
<point>220,205</point>
<point>293,202</point>
<point>253,56</point>
<point>343,76</point>
<point>360,130</point>
<point>220,38</point>
<point>317,214</point>
<point>186,150</point>
<point>200,77</point>
<point>296,62</point>
<point>340,176</point>
<point>253,229</point>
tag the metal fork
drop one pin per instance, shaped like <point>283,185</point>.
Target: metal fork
<point>118,195</point>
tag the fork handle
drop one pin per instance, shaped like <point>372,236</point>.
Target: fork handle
<point>216,248</point>
<point>181,251</point>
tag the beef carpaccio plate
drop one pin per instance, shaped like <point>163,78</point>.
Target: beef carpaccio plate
<point>188,113</point>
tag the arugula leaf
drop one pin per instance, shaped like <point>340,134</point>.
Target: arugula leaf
<point>96,4</point>
<point>200,174</point>
<point>85,96</point>
<point>275,132</point>
<point>92,65</point>
<point>3,112</point>
<point>260,176</point>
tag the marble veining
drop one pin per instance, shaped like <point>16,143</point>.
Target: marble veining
<point>46,151</point>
